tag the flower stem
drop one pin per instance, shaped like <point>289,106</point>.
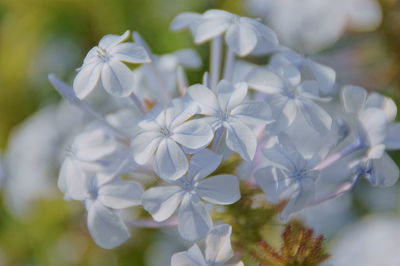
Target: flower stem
<point>328,161</point>
<point>229,64</point>
<point>138,103</point>
<point>216,56</point>
<point>347,186</point>
<point>68,93</point>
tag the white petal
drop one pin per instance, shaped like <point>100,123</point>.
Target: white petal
<point>170,162</point>
<point>220,189</point>
<point>185,20</point>
<point>192,257</point>
<point>130,52</point>
<point>188,58</point>
<point>72,180</point>
<point>205,98</point>
<point>241,139</point>
<point>310,90</point>
<point>110,40</point>
<point>119,194</point>
<point>374,124</point>
<point>284,111</point>
<point>384,103</point>
<point>316,116</point>
<point>144,145</point>
<point>105,226</point>
<point>265,81</point>
<point>392,140</point>
<point>87,79</point>
<point>253,113</point>
<point>218,245</point>
<point>353,98</point>
<point>385,172</point>
<point>241,38</point>
<point>229,95</point>
<point>325,75</point>
<point>193,134</point>
<point>117,78</point>
<point>203,164</point>
<point>178,112</point>
<point>194,220</point>
<point>213,23</point>
<point>161,202</point>
<point>272,181</point>
<point>304,195</point>
<point>93,144</point>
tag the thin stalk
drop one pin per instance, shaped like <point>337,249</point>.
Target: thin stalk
<point>215,63</point>
<point>68,93</point>
<point>229,64</point>
<point>328,161</point>
<point>138,103</point>
<point>157,74</point>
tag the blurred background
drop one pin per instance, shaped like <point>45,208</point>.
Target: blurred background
<point>360,39</point>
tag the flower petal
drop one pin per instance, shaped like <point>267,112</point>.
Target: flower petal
<point>220,189</point>
<point>186,20</point>
<point>253,113</point>
<point>241,139</point>
<point>353,98</point>
<point>144,145</point>
<point>170,161</point>
<point>119,194</point>
<point>203,164</point>
<point>386,104</point>
<point>192,257</point>
<point>373,125</point>
<point>194,220</point>
<point>218,245</point>
<point>229,95</point>
<point>284,112</point>
<point>117,78</point>
<point>110,40</point>
<point>273,181</point>
<point>204,98</point>
<point>213,23</point>
<point>193,134</point>
<point>264,80</point>
<point>72,180</point>
<point>130,52</point>
<point>93,144</point>
<point>325,75</point>
<point>385,172</point>
<point>87,79</point>
<point>316,116</point>
<point>105,226</point>
<point>241,38</point>
<point>161,202</point>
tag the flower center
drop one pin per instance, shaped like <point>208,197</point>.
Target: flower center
<point>299,174</point>
<point>102,54</point>
<point>165,132</point>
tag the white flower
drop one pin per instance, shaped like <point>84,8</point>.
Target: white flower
<point>106,62</point>
<point>290,176</point>
<point>324,75</point>
<point>189,192</point>
<point>92,151</point>
<point>228,109</point>
<point>186,20</point>
<point>165,133</point>
<point>218,250</point>
<point>325,21</point>
<point>241,34</point>
<point>373,114</point>
<point>103,196</point>
<point>289,96</point>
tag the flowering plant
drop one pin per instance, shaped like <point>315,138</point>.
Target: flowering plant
<point>285,125</point>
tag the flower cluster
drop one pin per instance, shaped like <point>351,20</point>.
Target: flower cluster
<point>289,121</point>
